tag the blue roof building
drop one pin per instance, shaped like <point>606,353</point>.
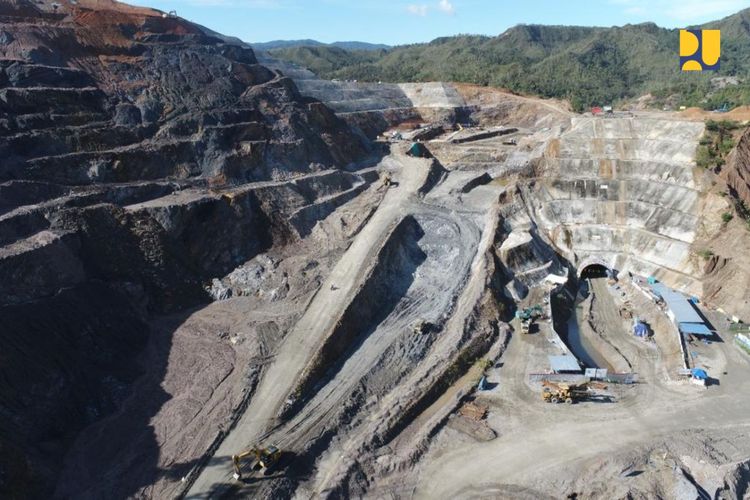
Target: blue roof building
<point>639,329</point>
<point>695,329</point>
<point>681,311</point>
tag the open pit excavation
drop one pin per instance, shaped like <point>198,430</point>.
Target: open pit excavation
<point>226,277</point>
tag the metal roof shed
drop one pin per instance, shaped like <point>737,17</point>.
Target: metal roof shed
<point>682,310</point>
<point>566,363</point>
<point>657,287</point>
<point>695,329</point>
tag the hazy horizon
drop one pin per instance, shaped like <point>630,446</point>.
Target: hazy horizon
<point>404,22</point>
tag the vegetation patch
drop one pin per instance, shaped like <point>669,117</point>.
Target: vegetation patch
<point>716,144</point>
<point>589,66</point>
<point>706,254</point>
<point>743,211</point>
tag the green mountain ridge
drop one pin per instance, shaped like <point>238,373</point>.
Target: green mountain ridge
<point>586,65</point>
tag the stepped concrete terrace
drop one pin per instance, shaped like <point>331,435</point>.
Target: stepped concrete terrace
<point>624,193</point>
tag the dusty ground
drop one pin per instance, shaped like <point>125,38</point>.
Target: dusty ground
<point>349,427</point>
<point>316,351</point>
<point>507,108</point>
<point>740,113</point>
<point>426,287</point>
<point>353,318</point>
<point>657,439</point>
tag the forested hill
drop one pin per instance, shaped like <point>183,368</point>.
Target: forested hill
<point>583,64</point>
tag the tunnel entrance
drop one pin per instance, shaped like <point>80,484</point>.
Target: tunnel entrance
<point>595,271</point>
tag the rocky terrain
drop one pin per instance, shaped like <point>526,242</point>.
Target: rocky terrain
<point>201,252</point>
<point>141,157</point>
<point>737,173</point>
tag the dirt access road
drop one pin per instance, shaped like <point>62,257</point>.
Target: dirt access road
<point>318,320</point>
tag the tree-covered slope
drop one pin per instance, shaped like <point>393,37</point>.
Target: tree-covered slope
<point>584,64</point>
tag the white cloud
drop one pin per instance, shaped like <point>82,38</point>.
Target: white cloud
<point>446,6</point>
<point>683,11</point>
<point>692,10</point>
<point>422,9</point>
<point>417,9</point>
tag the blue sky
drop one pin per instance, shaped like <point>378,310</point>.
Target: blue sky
<point>397,22</point>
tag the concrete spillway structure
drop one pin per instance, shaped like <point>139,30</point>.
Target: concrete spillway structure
<point>623,193</point>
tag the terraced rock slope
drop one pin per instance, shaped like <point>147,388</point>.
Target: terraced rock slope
<point>142,156</point>
<point>201,252</point>
<point>624,192</point>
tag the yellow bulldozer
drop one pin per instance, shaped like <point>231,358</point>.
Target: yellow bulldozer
<point>558,392</point>
<point>262,458</point>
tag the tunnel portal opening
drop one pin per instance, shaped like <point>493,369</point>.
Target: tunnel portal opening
<point>595,271</point>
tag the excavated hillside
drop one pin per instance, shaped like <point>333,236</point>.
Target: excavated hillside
<point>141,157</point>
<point>201,252</point>
<point>737,172</point>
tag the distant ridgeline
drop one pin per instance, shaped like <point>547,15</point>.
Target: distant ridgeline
<point>588,66</point>
<point>287,44</point>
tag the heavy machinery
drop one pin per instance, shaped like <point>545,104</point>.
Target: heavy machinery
<point>385,179</point>
<point>558,392</point>
<point>530,312</point>
<point>263,458</point>
<point>526,325</point>
<point>422,326</point>
<point>527,317</point>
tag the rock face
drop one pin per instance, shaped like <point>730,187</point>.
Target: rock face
<point>134,96</point>
<point>737,171</point>
<point>142,156</point>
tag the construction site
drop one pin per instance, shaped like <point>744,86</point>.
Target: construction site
<point>494,297</point>
<point>507,263</point>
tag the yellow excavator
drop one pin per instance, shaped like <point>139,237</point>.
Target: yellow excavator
<point>385,180</point>
<point>263,458</point>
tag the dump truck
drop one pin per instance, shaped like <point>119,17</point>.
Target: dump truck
<point>558,392</point>
<point>530,312</point>
<point>527,317</point>
<point>526,325</point>
<point>262,458</point>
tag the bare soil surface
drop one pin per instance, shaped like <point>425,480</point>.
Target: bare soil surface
<point>597,449</point>
<point>228,344</point>
<point>438,251</point>
<point>364,426</point>
<point>201,255</point>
